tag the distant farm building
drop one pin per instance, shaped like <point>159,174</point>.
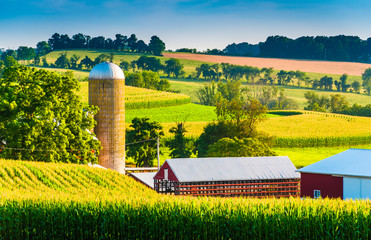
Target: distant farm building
<point>228,177</point>
<point>344,175</point>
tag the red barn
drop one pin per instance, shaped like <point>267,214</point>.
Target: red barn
<point>344,175</point>
<point>233,176</point>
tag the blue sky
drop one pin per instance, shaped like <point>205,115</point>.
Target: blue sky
<point>182,23</point>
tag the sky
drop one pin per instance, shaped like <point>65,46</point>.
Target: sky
<point>182,23</point>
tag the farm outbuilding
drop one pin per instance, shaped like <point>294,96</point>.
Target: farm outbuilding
<point>228,177</point>
<point>346,175</point>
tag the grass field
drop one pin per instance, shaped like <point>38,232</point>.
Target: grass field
<point>305,156</point>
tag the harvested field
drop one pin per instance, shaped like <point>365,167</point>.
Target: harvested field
<point>327,67</point>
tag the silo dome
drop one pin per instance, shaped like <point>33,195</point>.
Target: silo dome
<point>106,70</point>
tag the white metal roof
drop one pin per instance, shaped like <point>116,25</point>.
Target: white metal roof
<point>352,162</point>
<point>106,70</point>
<point>232,168</point>
<point>146,178</point>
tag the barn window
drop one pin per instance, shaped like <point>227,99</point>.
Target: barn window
<point>317,194</point>
<point>166,174</point>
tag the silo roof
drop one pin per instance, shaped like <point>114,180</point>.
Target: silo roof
<point>232,168</point>
<point>106,70</point>
<point>352,162</point>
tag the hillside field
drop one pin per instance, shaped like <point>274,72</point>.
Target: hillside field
<point>293,127</point>
<point>326,67</point>
<point>69,201</point>
<point>191,61</point>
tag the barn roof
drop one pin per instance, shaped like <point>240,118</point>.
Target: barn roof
<point>352,162</point>
<point>232,168</point>
<point>145,178</point>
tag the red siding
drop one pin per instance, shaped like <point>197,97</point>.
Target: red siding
<point>330,186</point>
<point>171,175</point>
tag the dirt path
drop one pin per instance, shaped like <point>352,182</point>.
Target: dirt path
<point>349,68</point>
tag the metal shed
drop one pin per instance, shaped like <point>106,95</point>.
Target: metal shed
<point>232,176</point>
<point>346,175</point>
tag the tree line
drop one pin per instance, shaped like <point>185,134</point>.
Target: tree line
<point>335,103</point>
<point>119,43</point>
<point>335,48</point>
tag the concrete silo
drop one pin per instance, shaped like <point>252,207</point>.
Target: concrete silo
<point>107,91</point>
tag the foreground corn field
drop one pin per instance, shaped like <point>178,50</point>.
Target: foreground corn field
<point>61,201</point>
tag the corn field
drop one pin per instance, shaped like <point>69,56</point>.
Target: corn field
<point>67,201</point>
<point>140,98</point>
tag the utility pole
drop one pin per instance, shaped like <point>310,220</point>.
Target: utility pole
<point>158,153</point>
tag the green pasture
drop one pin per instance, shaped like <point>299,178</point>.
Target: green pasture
<point>183,113</point>
<point>302,157</point>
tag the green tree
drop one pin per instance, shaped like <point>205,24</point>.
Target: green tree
<point>149,63</point>
<point>63,61</point>
<point>366,77</point>
<point>73,61</point>
<point>356,85</point>
<point>134,79</point>
<point>316,103</point>
<point>180,146</point>
<point>40,111</point>
<point>338,103</point>
<point>125,65</point>
<point>36,60</point>
<point>246,147</point>
<point>156,46</point>
<point>207,95</point>
<point>25,53</point>
<point>102,58</point>
<point>141,138</point>
<point>236,118</point>
<point>87,62</point>
<point>10,62</point>
<point>344,85</point>
<point>1,67</point>
<point>45,63</point>
<point>174,67</point>
<point>43,48</point>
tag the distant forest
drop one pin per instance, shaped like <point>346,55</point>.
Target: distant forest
<point>336,48</point>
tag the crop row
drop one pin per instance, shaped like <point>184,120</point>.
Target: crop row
<point>169,217</point>
<point>301,142</point>
<point>69,201</point>
<point>142,98</point>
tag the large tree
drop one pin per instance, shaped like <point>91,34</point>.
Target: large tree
<point>238,116</point>
<point>141,139</point>
<point>180,146</point>
<point>246,147</point>
<point>366,80</point>
<point>156,46</point>
<point>43,119</point>
<point>174,67</point>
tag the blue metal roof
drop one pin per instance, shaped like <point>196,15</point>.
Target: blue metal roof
<point>352,162</point>
<point>232,168</point>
